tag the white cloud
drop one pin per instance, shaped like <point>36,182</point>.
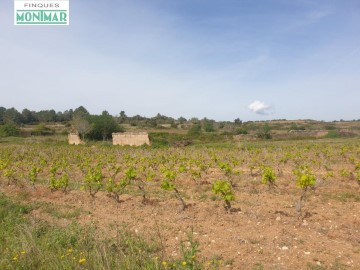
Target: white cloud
<point>260,107</point>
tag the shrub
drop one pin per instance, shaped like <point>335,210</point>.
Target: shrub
<point>209,127</point>
<point>264,132</point>
<point>102,127</point>
<point>223,188</point>
<point>93,180</point>
<point>195,130</point>
<point>268,177</point>
<point>332,134</point>
<point>241,131</point>
<point>168,184</point>
<point>8,130</point>
<point>305,180</point>
<point>42,130</point>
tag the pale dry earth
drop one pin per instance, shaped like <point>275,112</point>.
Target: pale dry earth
<point>262,232</point>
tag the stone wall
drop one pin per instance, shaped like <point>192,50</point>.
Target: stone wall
<point>75,139</point>
<point>131,138</point>
<point>295,134</point>
<point>244,137</point>
<point>309,133</point>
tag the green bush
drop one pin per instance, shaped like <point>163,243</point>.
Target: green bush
<point>223,188</point>
<point>195,130</point>
<point>102,127</point>
<point>159,139</point>
<point>42,130</point>
<point>209,127</point>
<point>332,134</point>
<point>268,176</point>
<point>240,131</point>
<point>8,130</point>
<point>264,132</point>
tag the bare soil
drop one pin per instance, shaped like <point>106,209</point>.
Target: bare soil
<point>263,231</point>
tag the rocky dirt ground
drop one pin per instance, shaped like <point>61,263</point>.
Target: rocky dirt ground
<point>262,232</point>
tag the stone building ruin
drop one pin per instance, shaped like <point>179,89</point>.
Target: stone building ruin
<point>75,139</point>
<point>131,138</point>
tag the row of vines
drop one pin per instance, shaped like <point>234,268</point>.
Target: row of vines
<point>117,170</point>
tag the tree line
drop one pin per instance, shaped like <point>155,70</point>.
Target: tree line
<point>26,116</point>
<point>95,127</point>
<point>99,126</point>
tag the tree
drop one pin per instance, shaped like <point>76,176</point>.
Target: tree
<point>209,127</point>
<point>28,116</point>
<point>264,132</point>
<point>182,120</point>
<point>103,126</point>
<point>151,122</point>
<point>195,130</point>
<point>60,117</point>
<point>68,115</point>
<point>122,117</point>
<point>81,121</point>
<point>12,116</point>
<point>46,116</point>
<point>237,121</point>
<point>105,112</point>
<point>194,120</point>
<point>81,111</point>
<point>2,113</point>
<point>81,124</point>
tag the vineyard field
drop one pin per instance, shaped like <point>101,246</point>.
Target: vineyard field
<point>250,205</point>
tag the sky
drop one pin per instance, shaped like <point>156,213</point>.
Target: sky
<point>220,59</point>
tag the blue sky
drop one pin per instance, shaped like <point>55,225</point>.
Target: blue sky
<point>256,60</point>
